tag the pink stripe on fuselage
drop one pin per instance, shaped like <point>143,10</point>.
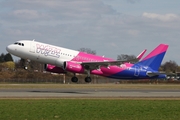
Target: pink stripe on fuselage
<point>85,57</point>
<point>111,70</point>
<point>158,50</point>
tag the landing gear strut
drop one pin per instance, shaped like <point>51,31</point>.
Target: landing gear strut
<point>26,63</point>
<point>88,78</point>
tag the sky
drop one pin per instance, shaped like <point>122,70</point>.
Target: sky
<point>110,27</point>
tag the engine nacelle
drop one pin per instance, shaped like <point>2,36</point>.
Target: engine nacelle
<point>54,69</point>
<point>73,67</point>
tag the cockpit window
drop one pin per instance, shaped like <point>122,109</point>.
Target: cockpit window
<point>18,43</point>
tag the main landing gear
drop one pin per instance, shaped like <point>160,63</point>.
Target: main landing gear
<point>74,79</point>
<point>87,79</point>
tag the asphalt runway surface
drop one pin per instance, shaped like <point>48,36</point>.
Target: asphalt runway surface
<point>87,93</point>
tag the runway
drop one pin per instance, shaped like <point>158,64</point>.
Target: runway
<point>87,93</point>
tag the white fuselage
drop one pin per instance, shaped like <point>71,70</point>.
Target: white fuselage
<point>41,52</point>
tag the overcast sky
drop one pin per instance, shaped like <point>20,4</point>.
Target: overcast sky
<point>111,27</point>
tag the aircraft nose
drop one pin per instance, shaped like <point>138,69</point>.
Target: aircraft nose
<point>9,48</point>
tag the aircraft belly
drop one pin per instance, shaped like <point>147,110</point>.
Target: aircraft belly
<point>117,72</point>
<point>124,74</point>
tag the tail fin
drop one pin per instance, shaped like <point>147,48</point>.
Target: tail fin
<point>154,59</point>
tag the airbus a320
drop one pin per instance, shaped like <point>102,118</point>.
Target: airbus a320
<point>61,60</point>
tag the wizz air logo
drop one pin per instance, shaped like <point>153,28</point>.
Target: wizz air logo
<point>48,50</point>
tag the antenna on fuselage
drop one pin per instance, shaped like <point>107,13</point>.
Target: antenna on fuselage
<point>33,39</point>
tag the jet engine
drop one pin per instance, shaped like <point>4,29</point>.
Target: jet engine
<point>54,69</point>
<point>73,67</point>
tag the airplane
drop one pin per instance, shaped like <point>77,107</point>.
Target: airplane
<point>61,60</point>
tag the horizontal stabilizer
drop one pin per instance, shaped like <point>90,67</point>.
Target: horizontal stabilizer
<point>152,74</point>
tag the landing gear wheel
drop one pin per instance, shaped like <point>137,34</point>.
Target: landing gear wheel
<point>88,79</point>
<point>74,79</point>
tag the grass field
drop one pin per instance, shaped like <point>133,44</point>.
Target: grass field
<point>89,109</point>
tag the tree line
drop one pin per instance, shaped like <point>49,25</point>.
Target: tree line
<point>5,57</point>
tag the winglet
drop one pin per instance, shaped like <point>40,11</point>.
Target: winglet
<point>141,54</point>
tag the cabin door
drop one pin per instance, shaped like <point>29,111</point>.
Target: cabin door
<point>136,73</point>
<point>32,47</point>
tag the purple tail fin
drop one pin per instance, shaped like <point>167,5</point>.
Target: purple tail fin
<point>154,59</point>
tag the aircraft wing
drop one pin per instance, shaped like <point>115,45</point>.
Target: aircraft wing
<point>96,65</point>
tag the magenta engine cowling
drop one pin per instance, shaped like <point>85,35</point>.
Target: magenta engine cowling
<point>73,67</point>
<point>54,69</point>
